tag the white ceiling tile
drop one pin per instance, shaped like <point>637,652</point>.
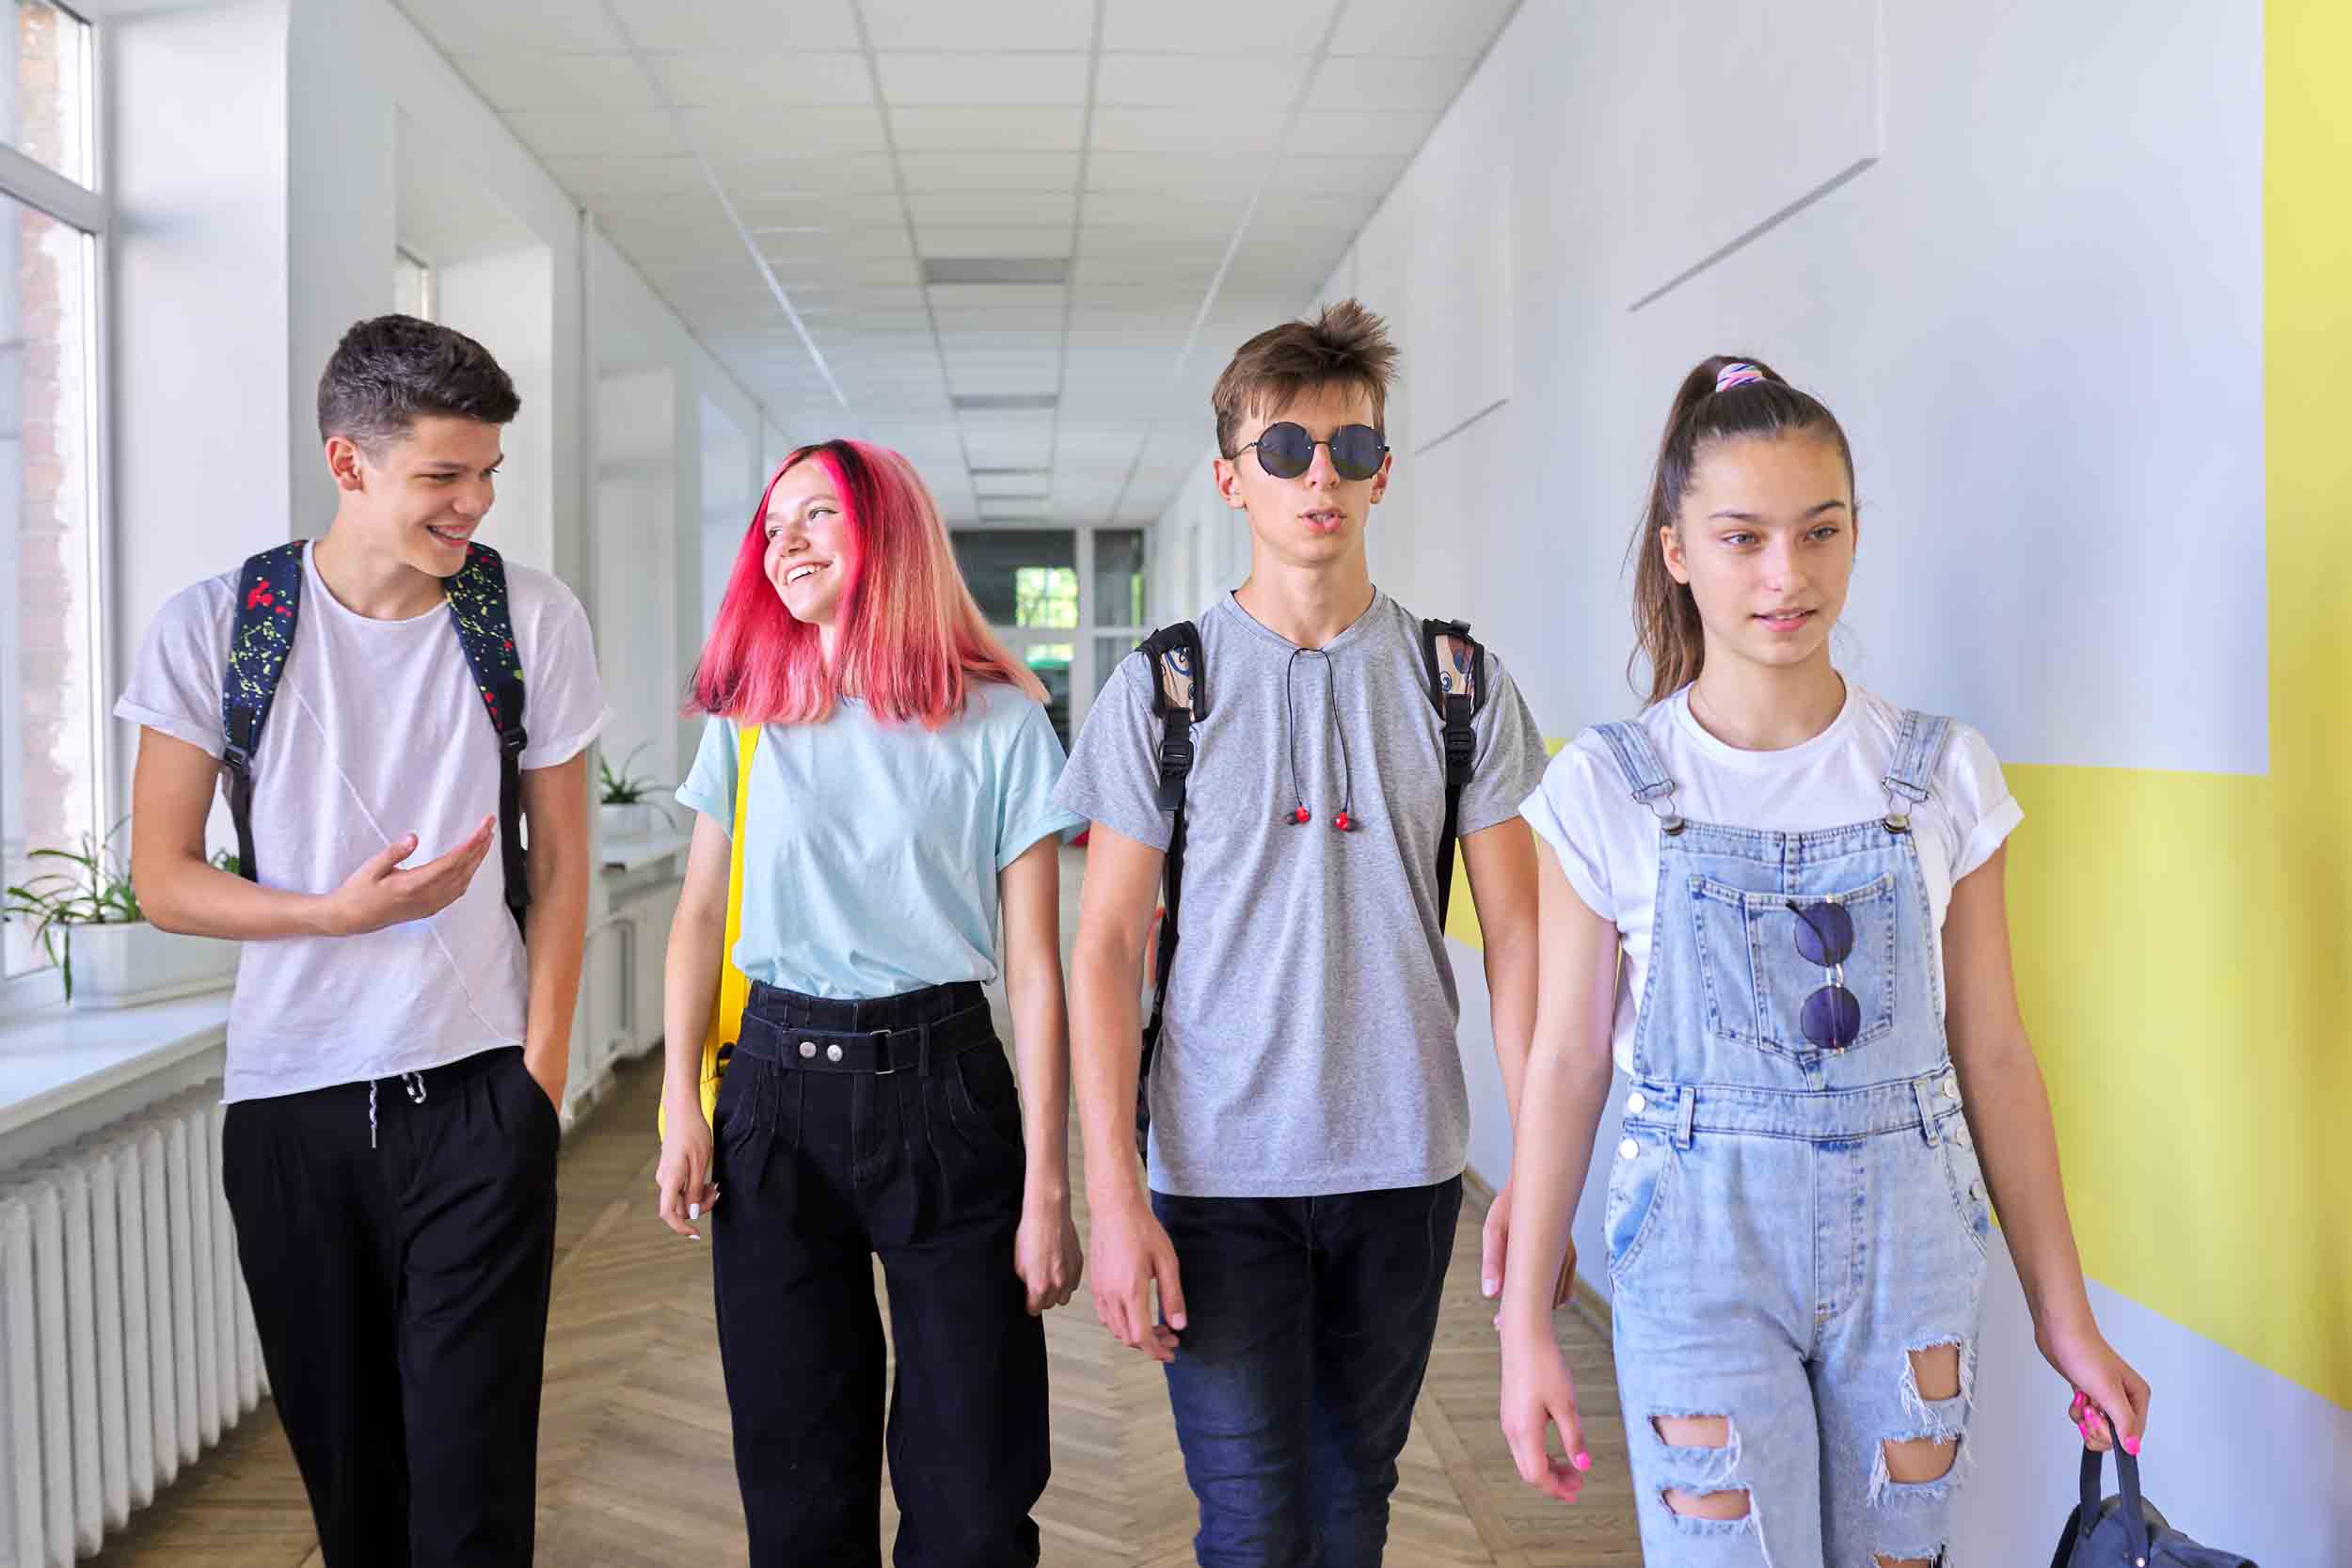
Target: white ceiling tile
<point>918,79</point>
<point>823,274</point>
<point>1384,84</point>
<point>1216,131</point>
<point>1458,27</point>
<point>1217,84</point>
<point>608,175</point>
<point>832,211</point>
<point>1370,174</point>
<point>544,79</point>
<point>745,127</point>
<point>1184,209</point>
<point>998,24</point>
<point>592,133</point>
<point>1002,130</point>
<point>948,299</point>
<point>989,171</point>
<point>725,79</point>
<point>469,27</point>
<point>879,243</point>
<point>665,26</point>
<point>1250,27</point>
<point>958,239</point>
<point>1174,171</point>
<point>1027,209</point>
<point>751,171</point>
<point>1361,134</point>
<point>1037,324</point>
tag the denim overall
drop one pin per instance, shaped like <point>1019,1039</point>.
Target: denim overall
<point>1786,1221</point>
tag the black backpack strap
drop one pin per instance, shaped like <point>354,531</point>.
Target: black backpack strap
<point>1456,664</point>
<point>269,606</point>
<point>1180,698</point>
<point>485,629</point>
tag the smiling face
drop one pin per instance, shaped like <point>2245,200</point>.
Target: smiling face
<point>807,561</point>
<point>1765,542</point>
<point>420,496</point>
<point>1319,517</point>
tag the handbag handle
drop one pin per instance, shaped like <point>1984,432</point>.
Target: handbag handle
<point>2134,1515</point>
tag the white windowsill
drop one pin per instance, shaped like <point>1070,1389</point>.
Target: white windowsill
<point>631,853</point>
<point>54,1057</point>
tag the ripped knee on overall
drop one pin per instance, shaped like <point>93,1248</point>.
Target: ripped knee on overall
<point>1701,1432</point>
<point>1934,1377</point>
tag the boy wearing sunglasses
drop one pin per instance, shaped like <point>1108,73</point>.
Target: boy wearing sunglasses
<point>1309,1115</point>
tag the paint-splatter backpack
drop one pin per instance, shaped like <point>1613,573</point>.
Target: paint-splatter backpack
<point>269,606</point>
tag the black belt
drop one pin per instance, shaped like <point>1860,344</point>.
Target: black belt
<point>912,1048</point>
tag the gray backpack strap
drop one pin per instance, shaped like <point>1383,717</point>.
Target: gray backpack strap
<point>1918,752</point>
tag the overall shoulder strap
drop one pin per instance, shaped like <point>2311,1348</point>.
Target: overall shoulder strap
<point>1179,697</point>
<point>1645,776</point>
<point>485,630</point>
<point>1457,667</point>
<point>1918,752</point>
<point>269,607</point>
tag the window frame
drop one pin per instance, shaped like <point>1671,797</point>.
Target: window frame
<point>90,210</point>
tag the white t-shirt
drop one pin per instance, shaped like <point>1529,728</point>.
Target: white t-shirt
<point>1607,841</point>
<point>377,731</point>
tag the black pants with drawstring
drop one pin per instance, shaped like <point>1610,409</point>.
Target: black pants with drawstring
<point>398,1254</point>
<point>819,1172</point>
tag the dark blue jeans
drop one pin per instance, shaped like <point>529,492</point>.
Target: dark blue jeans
<point>1310,1320</point>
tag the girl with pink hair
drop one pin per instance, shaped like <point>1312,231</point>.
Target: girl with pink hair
<point>898,820</point>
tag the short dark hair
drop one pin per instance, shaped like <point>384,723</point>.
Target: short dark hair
<point>1344,346</point>
<point>390,368</point>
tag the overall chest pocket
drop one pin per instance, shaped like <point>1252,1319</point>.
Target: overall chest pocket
<point>1760,962</point>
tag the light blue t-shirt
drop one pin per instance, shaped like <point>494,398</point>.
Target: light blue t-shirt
<point>871,851</point>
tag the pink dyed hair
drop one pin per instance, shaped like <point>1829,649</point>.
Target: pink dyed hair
<point>911,640</point>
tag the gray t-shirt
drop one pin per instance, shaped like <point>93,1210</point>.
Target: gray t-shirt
<point>1308,1047</point>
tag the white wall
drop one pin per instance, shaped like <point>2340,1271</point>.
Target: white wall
<point>2018,249</point>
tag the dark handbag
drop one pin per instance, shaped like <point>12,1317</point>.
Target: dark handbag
<point>2126,1531</point>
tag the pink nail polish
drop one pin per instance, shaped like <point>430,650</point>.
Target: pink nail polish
<point>1583,1461</point>
<point>2130,1445</point>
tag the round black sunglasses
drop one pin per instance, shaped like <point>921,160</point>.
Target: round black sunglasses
<point>1285,449</point>
<point>1832,1017</point>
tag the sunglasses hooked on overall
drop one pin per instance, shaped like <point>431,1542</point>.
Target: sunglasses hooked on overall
<point>1832,1016</point>
<point>1286,450</point>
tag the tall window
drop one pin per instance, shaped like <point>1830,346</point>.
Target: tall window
<point>52,222</point>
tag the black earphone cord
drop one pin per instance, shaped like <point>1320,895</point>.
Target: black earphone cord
<point>1289,731</point>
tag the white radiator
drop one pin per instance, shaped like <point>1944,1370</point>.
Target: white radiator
<point>126,1340</point>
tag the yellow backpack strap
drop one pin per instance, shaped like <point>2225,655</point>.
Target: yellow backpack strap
<point>734,987</point>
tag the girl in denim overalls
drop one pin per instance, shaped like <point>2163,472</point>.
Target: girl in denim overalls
<point>1797,1220</point>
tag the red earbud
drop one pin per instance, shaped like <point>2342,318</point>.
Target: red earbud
<point>1302,815</point>
<point>1342,822</point>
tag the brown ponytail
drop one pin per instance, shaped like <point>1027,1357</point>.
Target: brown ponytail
<point>1666,628</point>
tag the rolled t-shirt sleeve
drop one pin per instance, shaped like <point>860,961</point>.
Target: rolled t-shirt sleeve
<point>175,683</point>
<point>1979,806</point>
<point>1113,775</point>
<point>1510,759</point>
<point>562,694</point>
<point>1025,808</point>
<point>1566,813</point>
<point>709,786</point>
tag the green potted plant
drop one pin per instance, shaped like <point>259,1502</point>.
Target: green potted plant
<point>625,807</point>
<point>86,915</point>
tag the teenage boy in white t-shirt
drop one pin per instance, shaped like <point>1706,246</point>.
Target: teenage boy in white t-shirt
<point>395,1053</point>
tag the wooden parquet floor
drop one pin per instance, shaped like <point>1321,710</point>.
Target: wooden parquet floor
<point>634,1466</point>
